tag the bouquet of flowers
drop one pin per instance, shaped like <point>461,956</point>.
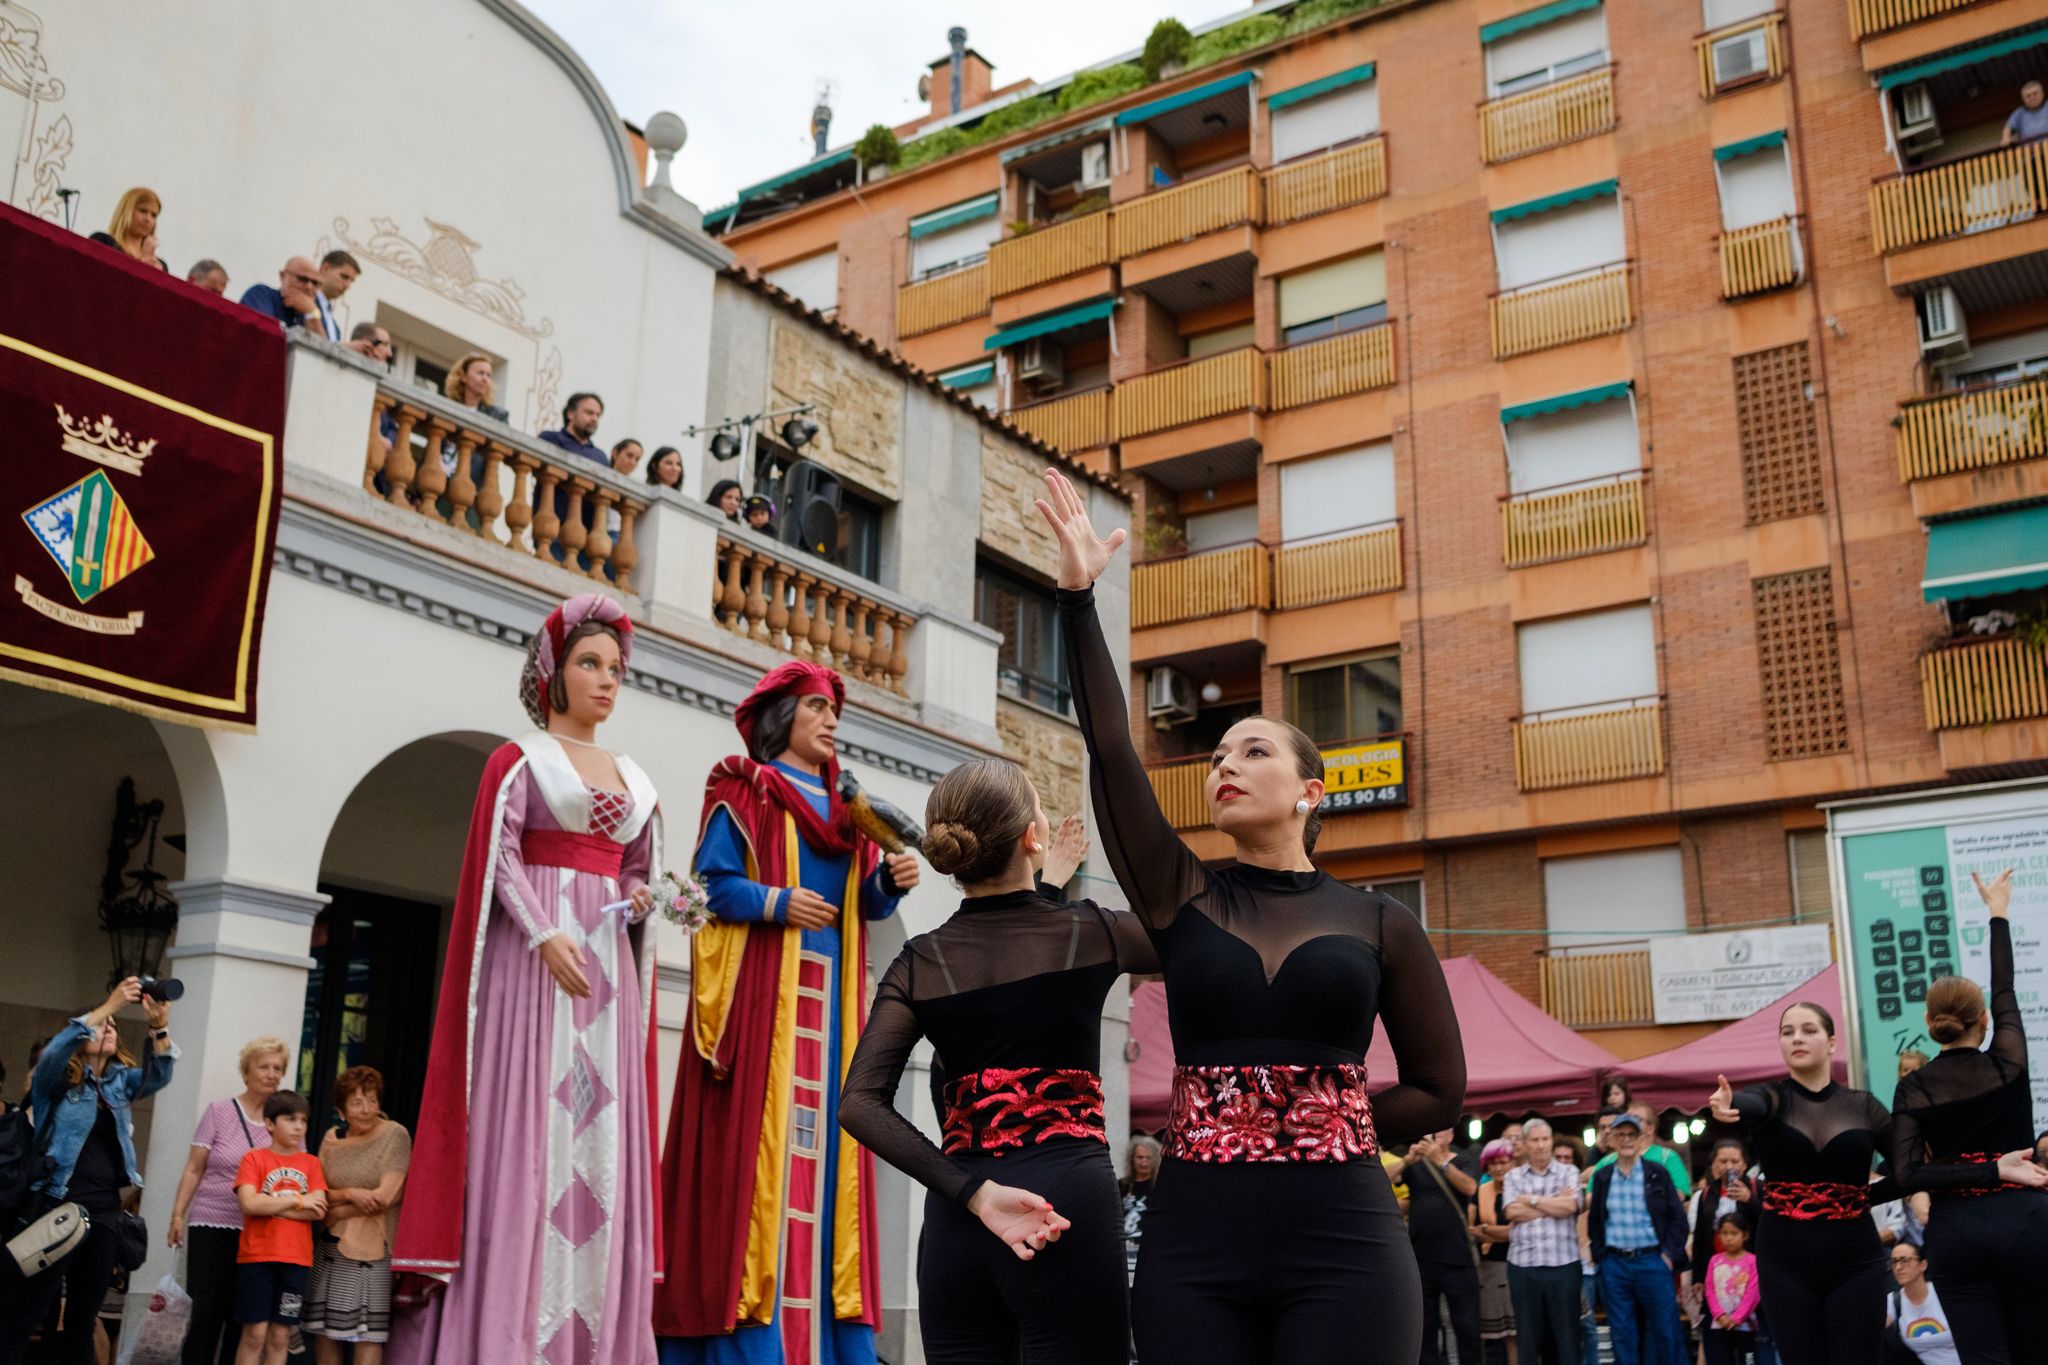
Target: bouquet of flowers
<point>683,900</point>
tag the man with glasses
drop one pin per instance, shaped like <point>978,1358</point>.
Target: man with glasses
<point>291,300</point>
<point>1635,1225</point>
<point>373,341</point>
<point>1915,1311</point>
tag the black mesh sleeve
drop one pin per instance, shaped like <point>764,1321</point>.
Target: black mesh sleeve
<point>867,1105</point>
<point>1422,1026</point>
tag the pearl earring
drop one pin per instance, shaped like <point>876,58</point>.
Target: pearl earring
<point>1301,806</point>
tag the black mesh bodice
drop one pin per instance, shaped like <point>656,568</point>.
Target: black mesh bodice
<point>1828,1136</point>
<point>1016,980</point>
<point>1965,1101</point>
<point>1263,966</point>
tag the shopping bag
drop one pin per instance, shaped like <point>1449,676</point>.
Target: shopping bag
<point>158,1337</point>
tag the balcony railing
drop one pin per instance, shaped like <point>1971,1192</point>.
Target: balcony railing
<point>449,470</point>
<point>1209,583</point>
<point>1359,775</point>
<point>1049,253</point>
<point>1187,211</point>
<point>1971,194</point>
<point>1983,684</point>
<point>762,594</point>
<point>1077,422</point>
<point>1875,16</point>
<point>1756,260</point>
<point>1351,363</point>
<point>943,300</point>
<point>1601,985</point>
<point>1516,125</point>
<point>1341,567</point>
<point>1544,315</point>
<point>1562,523</point>
<point>1975,429</point>
<point>1598,746</point>
<point>1232,382</point>
<point>1337,179</point>
<point>1772,26</point>
<point>1178,788</point>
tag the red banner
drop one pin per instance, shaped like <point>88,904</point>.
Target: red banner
<point>141,427</point>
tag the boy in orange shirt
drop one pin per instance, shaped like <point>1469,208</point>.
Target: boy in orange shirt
<point>283,1192</point>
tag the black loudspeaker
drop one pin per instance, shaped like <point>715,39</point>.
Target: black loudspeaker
<point>807,509</point>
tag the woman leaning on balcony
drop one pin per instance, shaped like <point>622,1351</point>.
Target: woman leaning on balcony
<point>133,229</point>
<point>1275,1234</point>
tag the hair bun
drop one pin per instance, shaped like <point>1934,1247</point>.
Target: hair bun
<point>1946,1028</point>
<point>950,846</point>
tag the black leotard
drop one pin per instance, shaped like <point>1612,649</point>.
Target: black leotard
<point>1269,1261</point>
<point>1010,983</point>
<point>1985,1243</point>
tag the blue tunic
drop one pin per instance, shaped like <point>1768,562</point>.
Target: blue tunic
<point>722,863</point>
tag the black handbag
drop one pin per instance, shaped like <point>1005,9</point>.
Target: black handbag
<point>131,1240</point>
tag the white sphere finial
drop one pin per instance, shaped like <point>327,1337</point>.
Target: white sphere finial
<point>666,133</point>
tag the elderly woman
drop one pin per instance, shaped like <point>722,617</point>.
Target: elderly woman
<point>1491,1228</point>
<point>350,1298</point>
<point>133,229</point>
<point>206,1219</point>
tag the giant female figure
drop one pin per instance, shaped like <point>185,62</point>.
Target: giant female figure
<point>532,1184</point>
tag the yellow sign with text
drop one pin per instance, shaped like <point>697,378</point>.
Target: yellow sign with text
<point>1363,776</point>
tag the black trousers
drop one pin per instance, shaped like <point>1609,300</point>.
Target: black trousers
<point>83,1277</point>
<point>1457,1288</point>
<point>1985,1255</point>
<point>210,1280</point>
<point>977,1303</point>
<point>1546,1299</point>
<point>1276,1263</point>
<point>1823,1283</point>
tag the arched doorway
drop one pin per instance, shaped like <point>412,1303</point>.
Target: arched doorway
<point>390,868</point>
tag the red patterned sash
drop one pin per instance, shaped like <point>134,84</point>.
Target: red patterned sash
<point>1822,1200</point>
<point>1977,1192</point>
<point>577,852</point>
<point>1004,1108</point>
<point>1271,1113</point>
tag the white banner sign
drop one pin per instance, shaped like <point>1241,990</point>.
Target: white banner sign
<point>1697,977</point>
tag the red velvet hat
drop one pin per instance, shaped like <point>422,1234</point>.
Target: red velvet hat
<point>795,678</point>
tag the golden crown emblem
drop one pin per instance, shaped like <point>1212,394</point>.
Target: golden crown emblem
<point>102,442</point>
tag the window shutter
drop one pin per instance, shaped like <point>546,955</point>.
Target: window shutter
<point>1325,121</point>
<point>1331,494</point>
<point>1755,189</point>
<point>1587,661</point>
<point>1613,895</point>
<point>955,244</point>
<point>1232,526</point>
<point>1327,290</point>
<point>1538,49</point>
<point>1813,886</point>
<point>814,280</point>
<point>1987,358</point>
<point>1573,446</point>
<point>1222,339</point>
<point>1565,241</point>
<point>1721,13</point>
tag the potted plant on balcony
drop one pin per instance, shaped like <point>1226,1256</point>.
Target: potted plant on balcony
<point>1162,539</point>
<point>1167,50</point>
<point>878,151</point>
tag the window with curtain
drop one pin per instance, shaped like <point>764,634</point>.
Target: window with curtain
<point>1608,897</point>
<point>1324,122</point>
<point>1332,495</point>
<point>1598,661</point>
<point>1550,52</point>
<point>1342,296</point>
<point>1571,240</point>
<point>1578,445</point>
<point>1030,663</point>
<point>1349,699</point>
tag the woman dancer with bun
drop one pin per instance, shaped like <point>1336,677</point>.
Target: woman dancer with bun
<point>1819,1261</point>
<point>1274,1236</point>
<point>1010,991</point>
<point>1961,1129</point>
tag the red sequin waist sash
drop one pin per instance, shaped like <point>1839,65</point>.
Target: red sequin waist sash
<point>1827,1200</point>
<point>1271,1113</point>
<point>1003,1109</point>
<point>577,852</point>
<point>1979,1191</point>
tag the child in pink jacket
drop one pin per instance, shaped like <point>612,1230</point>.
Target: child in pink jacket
<point>1731,1296</point>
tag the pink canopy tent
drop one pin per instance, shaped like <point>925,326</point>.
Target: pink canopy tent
<point>1517,1058</point>
<point>1745,1051</point>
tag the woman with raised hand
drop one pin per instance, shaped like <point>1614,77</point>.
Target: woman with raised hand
<point>1819,1260</point>
<point>1961,1129</point>
<point>1010,992</point>
<point>1275,1235</point>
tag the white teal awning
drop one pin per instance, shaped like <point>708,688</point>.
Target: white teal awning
<point>1047,323</point>
<point>1983,556</point>
<point>1533,18</point>
<point>1357,75</point>
<point>938,221</point>
<point>1564,402</point>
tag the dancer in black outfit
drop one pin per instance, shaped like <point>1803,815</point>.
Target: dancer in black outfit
<point>1010,991</point>
<point>1274,1238</point>
<point>1820,1264</point>
<point>1961,1130</point>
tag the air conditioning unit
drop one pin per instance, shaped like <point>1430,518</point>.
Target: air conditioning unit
<point>1169,697</point>
<point>1913,115</point>
<point>1095,166</point>
<point>1739,58</point>
<point>1041,362</point>
<point>1942,328</point>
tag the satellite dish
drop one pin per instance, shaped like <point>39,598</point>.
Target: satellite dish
<point>924,86</point>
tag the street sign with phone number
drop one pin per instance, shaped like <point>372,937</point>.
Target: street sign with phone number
<point>1365,776</point>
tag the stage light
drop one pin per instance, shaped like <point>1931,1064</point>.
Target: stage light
<point>1591,1138</point>
<point>797,432</point>
<point>725,446</point>
<point>1680,1131</point>
<point>1473,1130</point>
<point>1699,1126</point>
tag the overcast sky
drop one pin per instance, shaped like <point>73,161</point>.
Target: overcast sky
<point>745,73</point>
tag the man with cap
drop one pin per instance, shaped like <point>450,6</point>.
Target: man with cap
<point>771,1254</point>
<point>1635,1226</point>
<point>759,513</point>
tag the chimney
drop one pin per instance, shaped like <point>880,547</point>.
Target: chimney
<point>959,80</point>
<point>821,127</point>
<point>956,38</point>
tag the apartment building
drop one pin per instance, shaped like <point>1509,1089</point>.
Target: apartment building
<point>1610,428</point>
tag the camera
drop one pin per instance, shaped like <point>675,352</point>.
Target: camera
<point>162,989</point>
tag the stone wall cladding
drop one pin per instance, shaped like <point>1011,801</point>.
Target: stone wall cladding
<point>1011,479</point>
<point>859,408</point>
<point>1050,751</point>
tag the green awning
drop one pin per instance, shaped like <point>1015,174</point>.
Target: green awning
<point>1055,140</point>
<point>1556,201</point>
<point>823,163</point>
<point>1960,57</point>
<point>984,207</point>
<point>1322,87</point>
<point>1533,18</point>
<point>1982,556</point>
<point>1145,113</point>
<point>1564,402</point>
<point>719,217</point>
<point>1762,143</point>
<point>1050,322</point>
<point>970,379</point>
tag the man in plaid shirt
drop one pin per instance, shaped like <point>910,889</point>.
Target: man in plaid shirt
<point>1542,1201</point>
<point>1636,1227</point>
